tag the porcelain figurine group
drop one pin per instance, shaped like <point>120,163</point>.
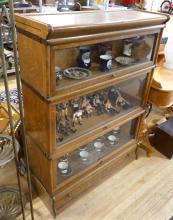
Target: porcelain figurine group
<point>72,113</point>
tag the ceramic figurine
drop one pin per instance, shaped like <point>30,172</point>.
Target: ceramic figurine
<point>61,129</point>
<point>110,109</point>
<point>98,104</point>
<point>63,110</point>
<point>87,107</point>
<point>64,124</point>
<point>127,47</point>
<point>77,117</point>
<point>84,102</point>
<point>75,105</point>
<point>103,95</point>
<point>64,128</point>
<point>113,95</point>
<point>58,72</point>
<point>122,102</point>
<point>70,127</point>
<point>90,98</point>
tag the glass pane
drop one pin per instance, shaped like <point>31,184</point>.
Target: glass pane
<point>101,59</point>
<point>85,113</point>
<point>83,157</point>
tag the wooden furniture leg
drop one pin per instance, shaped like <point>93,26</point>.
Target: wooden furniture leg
<point>144,143</point>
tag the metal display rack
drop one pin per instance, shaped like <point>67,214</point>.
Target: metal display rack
<point>18,80</point>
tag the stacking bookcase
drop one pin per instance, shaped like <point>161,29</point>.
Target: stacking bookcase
<point>85,80</point>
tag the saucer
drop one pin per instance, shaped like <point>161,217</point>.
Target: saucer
<point>125,60</point>
<point>112,138</point>
<point>84,154</point>
<point>98,145</point>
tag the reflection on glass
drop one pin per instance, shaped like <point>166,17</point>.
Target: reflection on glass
<point>83,157</point>
<point>122,53</point>
<point>76,116</point>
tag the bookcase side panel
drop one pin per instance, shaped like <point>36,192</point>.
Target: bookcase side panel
<point>34,63</point>
<point>38,120</point>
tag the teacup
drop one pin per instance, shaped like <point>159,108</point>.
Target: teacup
<point>98,145</point>
<point>63,167</point>
<point>127,47</point>
<point>105,62</point>
<point>116,130</point>
<point>85,57</point>
<point>112,139</point>
<point>83,153</point>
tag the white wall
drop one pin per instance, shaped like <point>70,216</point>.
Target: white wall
<point>154,4</point>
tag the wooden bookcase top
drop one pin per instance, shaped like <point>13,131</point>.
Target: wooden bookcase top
<point>48,26</point>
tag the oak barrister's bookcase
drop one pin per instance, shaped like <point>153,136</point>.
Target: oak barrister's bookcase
<point>70,153</point>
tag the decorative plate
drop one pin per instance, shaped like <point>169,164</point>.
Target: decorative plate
<point>13,97</point>
<point>125,60</point>
<point>10,205</point>
<point>6,149</point>
<point>77,73</point>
